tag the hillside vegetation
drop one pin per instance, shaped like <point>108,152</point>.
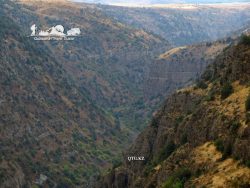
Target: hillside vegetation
<point>200,136</point>
<point>48,125</point>
<point>109,60</point>
<point>69,108</point>
<point>183,24</point>
<point>56,104</point>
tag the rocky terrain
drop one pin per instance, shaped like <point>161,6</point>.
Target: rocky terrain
<point>200,136</point>
<point>69,108</point>
<point>179,67</point>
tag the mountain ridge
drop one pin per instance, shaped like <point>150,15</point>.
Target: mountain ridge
<point>183,26</point>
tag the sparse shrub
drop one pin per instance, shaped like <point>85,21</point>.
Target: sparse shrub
<point>208,44</point>
<point>57,155</point>
<point>178,179</point>
<point>149,168</point>
<point>155,122</point>
<point>2,174</point>
<point>30,61</point>
<point>69,173</point>
<point>72,159</point>
<point>201,84</point>
<point>179,119</point>
<point>208,75</point>
<point>198,172</point>
<point>33,152</point>
<point>245,40</point>
<point>219,145</point>
<point>227,151</point>
<point>172,183</point>
<point>247,163</point>
<point>65,183</point>
<point>184,139</point>
<point>226,90</point>
<point>183,174</point>
<point>116,163</point>
<point>247,117</point>
<point>166,152</point>
<point>210,96</point>
<point>234,126</point>
<point>247,104</point>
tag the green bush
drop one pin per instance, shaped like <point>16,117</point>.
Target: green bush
<point>210,96</point>
<point>155,122</point>
<point>172,183</point>
<point>247,104</point>
<point>57,155</point>
<point>235,126</point>
<point>178,179</point>
<point>166,152</point>
<point>247,117</point>
<point>245,40</point>
<point>149,168</point>
<point>247,163</point>
<point>208,75</point>
<point>227,151</point>
<point>184,139</point>
<point>226,90</point>
<point>179,119</point>
<point>183,174</point>
<point>116,163</point>
<point>219,145</point>
<point>2,174</point>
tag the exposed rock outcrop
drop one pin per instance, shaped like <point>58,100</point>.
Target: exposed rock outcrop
<point>198,135</point>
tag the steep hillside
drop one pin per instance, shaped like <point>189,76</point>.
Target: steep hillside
<point>200,137</point>
<point>183,24</point>
<point>109,59</point>
<point>61,101</point>
<point>180,67</point>
<point>49,126</point>
<point>68,108</point>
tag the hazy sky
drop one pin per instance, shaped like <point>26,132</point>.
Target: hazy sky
<point>147,2</point>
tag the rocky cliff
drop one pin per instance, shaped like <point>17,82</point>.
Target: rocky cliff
<point>200,137</point>
<point>179,67</point>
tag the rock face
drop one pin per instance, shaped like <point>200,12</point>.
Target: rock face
<point>179,67</point>
<point>198,135</point>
